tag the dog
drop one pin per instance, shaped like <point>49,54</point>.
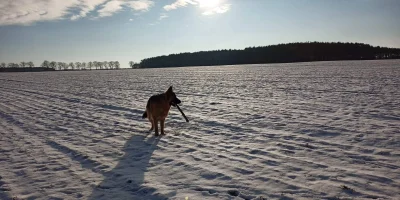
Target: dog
<point>157,109</point>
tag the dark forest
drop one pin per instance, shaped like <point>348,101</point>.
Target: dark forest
<point>281,53</point>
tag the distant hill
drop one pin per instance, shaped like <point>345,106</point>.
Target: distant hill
<point>280,53</point>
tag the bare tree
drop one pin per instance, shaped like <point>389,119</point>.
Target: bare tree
<point>100,65</point>
<point>71,65</point>
<point>30,64</point>
<point>3,65</point>
<point>96,65</point>
<point>105,64</point>
<point>83,66</point>
<point>131,64</point>
<point>116,65</point>
<point>111,65</point>
<point>90,65</point>
<point>45,64</point>
<point>65,66</point>
<point>22,64</point>
<point>53,64</point>
<point>60,65</point>
<point>78,65</point>
<point>12,65</point>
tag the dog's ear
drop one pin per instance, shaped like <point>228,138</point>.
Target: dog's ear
<point>169,90</point>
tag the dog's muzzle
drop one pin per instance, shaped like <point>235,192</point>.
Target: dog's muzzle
<point>175,102</point>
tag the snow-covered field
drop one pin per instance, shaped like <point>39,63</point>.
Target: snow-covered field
<point>324,130</point>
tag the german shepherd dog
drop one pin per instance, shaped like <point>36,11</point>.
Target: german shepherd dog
<point>157,109</point>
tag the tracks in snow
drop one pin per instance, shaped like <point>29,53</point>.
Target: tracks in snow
<point>76,146</point>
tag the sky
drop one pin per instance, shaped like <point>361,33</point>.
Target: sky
<point>131,30</point>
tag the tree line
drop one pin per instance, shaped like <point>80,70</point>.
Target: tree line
<point>280,53</point>
<point>53,65</point>
<point>81,65</point>
<point>22,67</point>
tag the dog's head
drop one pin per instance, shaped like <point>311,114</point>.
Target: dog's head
<point>173,100</point>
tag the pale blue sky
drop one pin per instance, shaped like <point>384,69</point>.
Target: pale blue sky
<point>110,30</point>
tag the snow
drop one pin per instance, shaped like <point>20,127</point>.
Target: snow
<point>322,130</point>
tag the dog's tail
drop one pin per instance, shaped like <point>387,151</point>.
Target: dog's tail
<point>144,115</point>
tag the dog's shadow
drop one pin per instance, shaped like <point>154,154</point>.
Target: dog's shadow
<point>126,180</point>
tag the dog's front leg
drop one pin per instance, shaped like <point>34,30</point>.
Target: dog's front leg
<point>162,126</point>
<point>155,123</point>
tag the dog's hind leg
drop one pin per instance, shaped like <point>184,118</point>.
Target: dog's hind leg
<point>152,124</point>
<point>150,118</point>
<point>162,126</point>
